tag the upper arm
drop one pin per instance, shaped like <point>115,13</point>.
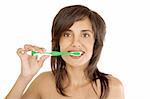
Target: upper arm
<point>39,86</point>
<point>33,90</point>
<point>116,89</point>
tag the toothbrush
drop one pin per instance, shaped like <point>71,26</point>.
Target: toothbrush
<point>56,53</point>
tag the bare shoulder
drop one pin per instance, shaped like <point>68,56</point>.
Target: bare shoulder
<point>114,82</point>
<point>43,78</point>
<point>46,84</point>
<point>46,78</point>
<point>42,83</point>
<point>116,88</point>
<point>46,75</point>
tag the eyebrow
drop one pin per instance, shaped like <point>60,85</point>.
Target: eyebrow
<point>86,30</point>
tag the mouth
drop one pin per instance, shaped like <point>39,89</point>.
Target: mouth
<point>82,52</point>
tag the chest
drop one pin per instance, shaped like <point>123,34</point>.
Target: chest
<point>81,93</point>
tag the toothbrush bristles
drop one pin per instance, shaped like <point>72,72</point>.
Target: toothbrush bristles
<point>76,53</point>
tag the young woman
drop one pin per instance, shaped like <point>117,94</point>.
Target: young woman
<point>75,28</point>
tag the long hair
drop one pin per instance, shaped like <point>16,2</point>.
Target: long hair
<point>62,22</point>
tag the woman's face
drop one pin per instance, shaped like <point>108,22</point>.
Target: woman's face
<point>80,38</point>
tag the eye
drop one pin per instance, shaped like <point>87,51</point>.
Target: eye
<point>67,34</point>
<point>85,35</point>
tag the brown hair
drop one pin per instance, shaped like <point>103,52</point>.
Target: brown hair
<point>62,22</point>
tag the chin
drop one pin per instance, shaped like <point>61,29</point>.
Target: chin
<point>76,65</point>
<point>77,61</point>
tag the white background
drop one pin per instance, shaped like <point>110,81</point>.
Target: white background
<point>125,54</point>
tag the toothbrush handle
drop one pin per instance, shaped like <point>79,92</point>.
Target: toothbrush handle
<point>53,53</point>
<point>56,53</point>
<point>36,53</point>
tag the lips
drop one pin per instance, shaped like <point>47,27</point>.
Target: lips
<point>82,52</point>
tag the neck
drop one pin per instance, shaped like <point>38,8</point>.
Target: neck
<point>77,76</point>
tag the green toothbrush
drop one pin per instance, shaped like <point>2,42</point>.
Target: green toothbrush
<point>56,53</point>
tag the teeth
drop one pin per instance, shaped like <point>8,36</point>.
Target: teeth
<point>81,52</point>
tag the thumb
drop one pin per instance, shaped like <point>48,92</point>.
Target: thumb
<point>20,51</point>
<point>42,59</point>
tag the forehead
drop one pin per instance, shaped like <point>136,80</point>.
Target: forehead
<point>84,24</point>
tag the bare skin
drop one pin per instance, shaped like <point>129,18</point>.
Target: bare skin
<point>29,67</point>
<point>47,90</point>
<point>43,87</point>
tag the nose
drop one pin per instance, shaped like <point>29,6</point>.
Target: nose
<point>76,43</point>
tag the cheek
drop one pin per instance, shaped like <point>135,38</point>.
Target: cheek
<point>89,44</point>
<point>63,44</point>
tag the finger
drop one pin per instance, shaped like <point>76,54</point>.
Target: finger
<point>42,59</point>
<point>21,51</point>
<point>41,50</point>
<point>33,58</point>
<point>29,47</point>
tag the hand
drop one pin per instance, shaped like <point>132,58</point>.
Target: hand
<point>30,65</point>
